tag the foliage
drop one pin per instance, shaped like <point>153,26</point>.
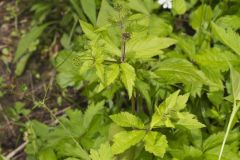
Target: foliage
<point>160,84</point>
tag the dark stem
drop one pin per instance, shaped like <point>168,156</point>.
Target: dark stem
<point>133,101</point>
<point>123,41</point>
<point>123,50</point>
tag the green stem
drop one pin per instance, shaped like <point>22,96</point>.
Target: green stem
<point>235,109</point>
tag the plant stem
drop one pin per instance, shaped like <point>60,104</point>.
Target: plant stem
<point>235,109</point>
<point>133,104</point>
<point>123,42</point>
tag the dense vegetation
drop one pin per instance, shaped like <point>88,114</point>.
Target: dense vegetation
<point>151,80</point>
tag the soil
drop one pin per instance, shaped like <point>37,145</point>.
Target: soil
<point>30,87</point>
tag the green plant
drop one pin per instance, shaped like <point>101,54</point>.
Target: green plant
<point>167,115</point>
<point>131,56</point>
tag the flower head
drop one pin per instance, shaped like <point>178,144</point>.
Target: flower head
<point>166,3</point>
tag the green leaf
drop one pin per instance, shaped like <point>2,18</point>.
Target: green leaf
<point>229,21</point>
<point>176,70</point>
<point>235,80</point>
<point>215,140</point>
<point>125,119</point>
<point>78,9</point>
<point>162,113</point>
<point>47,154</point>
<point>186,153</point>
<point>125,139</point>
<point>112,73</point>
<point>139,6</point>
<point>201,16</point>
<point>216,59</point>
<point>187,44</point>
<point>104,41</point>
<point>68,71</point>
<point>158,26</point>
<point>156,143</point>
<point>88,30</point>
<point>181,102</point>
<point>89,8</point>
<point>228,154</point>
<point>143,48</point>
<point>22,64</point>
<point>100,71</point>
<point>128,77</point>
<point>227,37</point>
<point>179,6</point>
<point>70,150</point>
<point>27,39</point>
<point>91,112</point>
<point>106,12</point>
<point>103,153</point>
<point>188,121</point>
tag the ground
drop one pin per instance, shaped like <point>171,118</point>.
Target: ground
<point>30,87</point>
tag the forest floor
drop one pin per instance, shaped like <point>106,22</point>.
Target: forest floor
<point>27,90</point>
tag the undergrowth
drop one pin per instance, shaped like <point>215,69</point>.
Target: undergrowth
<point>162,82</point>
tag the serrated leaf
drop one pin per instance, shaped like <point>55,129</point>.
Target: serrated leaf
<point>227,37</point>
<point>176,70</point>
<point>228,154</point>
<point>128,77</point>
<point>104,41</point>
<point>112,73</point>
<point>125,119</point>
<point>89,8</point>
<point>188,121</point>
<point>215,140</point>
<point>88,30</point>
<point>68,74</point>
<point>216,59</point>
<point>187,44</point>
<point>162,113</point>
<point>91,111</point>
<point>70,150</point>
<point>187,152</point>
<point>125,139</point>
<point>156,143</point>
<point>203,14</point>
<point>100,71</point>
<point>232,21</point>
<point>181,102</point>
<point>103,153</point>
<point>143,48</point>
<point>171,100</point>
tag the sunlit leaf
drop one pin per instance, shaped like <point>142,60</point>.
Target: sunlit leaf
<point>125,119</point>
<point>125,139</point>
